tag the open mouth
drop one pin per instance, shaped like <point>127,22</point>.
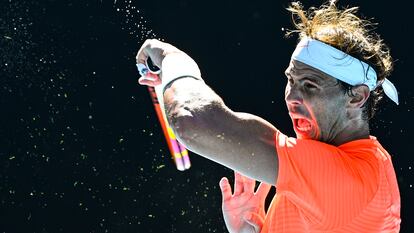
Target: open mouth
<point>302,125</point>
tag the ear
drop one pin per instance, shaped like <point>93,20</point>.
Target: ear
<point>360,95</point>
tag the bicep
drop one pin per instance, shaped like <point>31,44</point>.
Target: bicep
<point>253,141</point>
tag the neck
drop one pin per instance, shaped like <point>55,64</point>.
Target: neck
<point>354,130</point>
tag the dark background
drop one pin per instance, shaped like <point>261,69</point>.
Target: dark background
<point>81,149</point>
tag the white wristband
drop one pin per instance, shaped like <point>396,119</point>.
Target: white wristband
<point>178,65</point>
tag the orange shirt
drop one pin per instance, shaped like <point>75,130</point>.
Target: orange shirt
<point>324,188</point>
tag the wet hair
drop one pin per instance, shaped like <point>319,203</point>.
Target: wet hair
<point>342,29</point>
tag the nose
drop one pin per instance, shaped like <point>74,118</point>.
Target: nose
<point>293,95</point>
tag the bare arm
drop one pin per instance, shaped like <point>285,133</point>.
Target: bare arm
<point>206,126</point>
<point>201,120</point>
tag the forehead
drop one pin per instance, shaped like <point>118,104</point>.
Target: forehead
<point>297,69</point>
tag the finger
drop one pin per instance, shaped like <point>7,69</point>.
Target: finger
<point>225,189</point>
<point>263,190</point>
<point>150,78</point>
<point>238,183</point>
<point>142,54</point>
<point>248,184</point>
<point>148,81</point>
<point>254,220</point>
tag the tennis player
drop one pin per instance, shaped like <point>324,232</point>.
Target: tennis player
<point>333,176</point>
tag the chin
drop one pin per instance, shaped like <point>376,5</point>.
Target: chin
<point>304,136</point>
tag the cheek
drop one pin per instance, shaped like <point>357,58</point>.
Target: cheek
<point>324,109</point>
<point>315,118</point>
<point>287,90</point>
<point>329,113</point>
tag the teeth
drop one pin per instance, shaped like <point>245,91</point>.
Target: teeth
<point>304,128</point>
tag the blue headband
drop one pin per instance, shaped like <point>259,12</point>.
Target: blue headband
<point>340,65</point>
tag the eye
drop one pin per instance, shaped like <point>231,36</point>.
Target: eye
<point>310,85</point>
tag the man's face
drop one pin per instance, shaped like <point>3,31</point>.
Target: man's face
<point>315,102</point>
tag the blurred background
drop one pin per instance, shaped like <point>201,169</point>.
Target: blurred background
<point>81,149</point>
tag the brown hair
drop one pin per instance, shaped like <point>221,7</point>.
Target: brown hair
<point>349,33</point>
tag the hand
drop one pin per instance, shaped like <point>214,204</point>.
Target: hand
<point>157,51</point>
<point>243,211</point>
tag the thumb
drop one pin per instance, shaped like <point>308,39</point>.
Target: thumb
<point>255,220</point>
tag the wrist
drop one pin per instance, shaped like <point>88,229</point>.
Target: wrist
<point>176,66</point>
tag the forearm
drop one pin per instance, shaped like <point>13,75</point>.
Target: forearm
<point>188,101</point>
<point>198,117</point>
<point>190,106</point>
<point>204,124</point>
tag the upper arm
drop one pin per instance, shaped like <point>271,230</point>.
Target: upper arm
<point>240,141</point>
